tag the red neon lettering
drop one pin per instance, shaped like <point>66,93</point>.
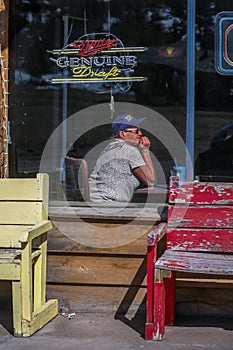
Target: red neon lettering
<point>90,47</point>
<point>79,44</point>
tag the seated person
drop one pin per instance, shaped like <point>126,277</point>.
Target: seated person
<point>123,164</point>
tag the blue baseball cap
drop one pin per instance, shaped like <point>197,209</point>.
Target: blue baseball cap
<point>123,121</point>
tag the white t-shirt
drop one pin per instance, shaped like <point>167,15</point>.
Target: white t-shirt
<point>112,178</point>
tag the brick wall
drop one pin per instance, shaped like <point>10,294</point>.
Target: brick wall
<point>3,87</point>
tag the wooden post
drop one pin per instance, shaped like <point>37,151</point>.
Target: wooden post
<point>4,9</point>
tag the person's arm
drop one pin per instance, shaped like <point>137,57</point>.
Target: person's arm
<point>145,173</point>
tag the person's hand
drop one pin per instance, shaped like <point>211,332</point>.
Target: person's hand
<point>144,143</point>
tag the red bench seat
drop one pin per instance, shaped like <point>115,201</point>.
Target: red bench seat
<point>199,239</point>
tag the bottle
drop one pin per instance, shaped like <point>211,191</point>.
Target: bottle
<point>174,178</point>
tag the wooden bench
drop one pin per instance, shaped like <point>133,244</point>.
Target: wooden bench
<point>23,251</point>
<point>198,239</point>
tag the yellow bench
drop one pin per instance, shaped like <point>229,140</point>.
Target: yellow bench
<point>23,251</point>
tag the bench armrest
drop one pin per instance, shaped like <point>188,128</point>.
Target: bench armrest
<point>156,234</point>
<point>36,231</point>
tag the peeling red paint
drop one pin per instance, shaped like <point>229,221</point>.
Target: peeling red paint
<point>199,239</point>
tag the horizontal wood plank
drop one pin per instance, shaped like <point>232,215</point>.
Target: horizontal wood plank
<point>59,242</point>
<point>202,193</point>
<point>93,234</point>
<point>89,269</point>
<point>20,213</point>
<point>212,240</point>
<point>20,189</point>
<point>211,283</point>
<point>10,235</point>
<point>10,260</point>
<point>90,298</point>
<point>200,217</point>
<point>130,301</point>
<point>221,264</point>
<point>117,212</point>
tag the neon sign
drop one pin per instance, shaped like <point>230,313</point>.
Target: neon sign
<point>90,47</point>
<point>224,43</point>
<point>98,58</point>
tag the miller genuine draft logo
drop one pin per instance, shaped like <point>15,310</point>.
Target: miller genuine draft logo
<point>98,58</point>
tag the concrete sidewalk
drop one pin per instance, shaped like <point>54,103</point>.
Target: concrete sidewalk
<point>106,332</point>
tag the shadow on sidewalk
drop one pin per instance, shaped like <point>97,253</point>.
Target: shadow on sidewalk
<point>204,321</point>
<point>137,322</point>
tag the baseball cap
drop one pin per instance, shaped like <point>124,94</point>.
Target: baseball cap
<point>123,121</point>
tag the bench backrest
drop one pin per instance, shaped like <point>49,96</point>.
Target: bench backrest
<point>200,217</point>
<point>24,201</point>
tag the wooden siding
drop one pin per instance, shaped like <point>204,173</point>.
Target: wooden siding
<point>98,264</point>
<point>86,277</point>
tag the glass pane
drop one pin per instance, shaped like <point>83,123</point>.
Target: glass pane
<point>214,98</point>
<point>68,101</point>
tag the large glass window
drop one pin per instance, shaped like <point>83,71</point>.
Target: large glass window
<point>48,86</point>
<point>154,36</point>
<point>214,98</point>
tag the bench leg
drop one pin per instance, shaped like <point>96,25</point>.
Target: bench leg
<point>40,275</point>
<point>159,306</point>
<point>17,308</point>
<point>155,326</point>
<point>158,289</point>
<point>149,327</point>
<point>22,294</point>
<point>170,287</point>
<point>30,309</point>
<point>26,280</point>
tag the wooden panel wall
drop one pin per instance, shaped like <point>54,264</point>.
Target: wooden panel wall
<point>113,279</point>
<point>89,277</point>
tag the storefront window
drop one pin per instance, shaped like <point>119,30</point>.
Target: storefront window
<point>50,94</point>
<point>214,98</point>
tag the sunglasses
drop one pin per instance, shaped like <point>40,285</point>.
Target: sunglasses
<point>134,131</point>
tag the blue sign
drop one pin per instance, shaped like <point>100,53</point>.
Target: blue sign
<point>224,43</point>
